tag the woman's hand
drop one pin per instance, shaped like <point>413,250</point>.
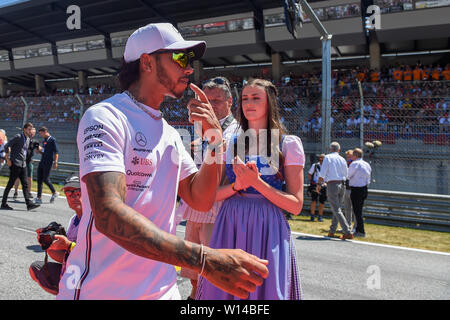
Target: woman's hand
<point>247,174</point>
<point>240,185</point>
<point>252,165</point>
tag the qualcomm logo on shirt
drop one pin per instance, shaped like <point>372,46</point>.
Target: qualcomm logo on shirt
<point>137,173</point>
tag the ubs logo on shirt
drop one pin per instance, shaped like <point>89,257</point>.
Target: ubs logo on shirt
<point>142,161</point>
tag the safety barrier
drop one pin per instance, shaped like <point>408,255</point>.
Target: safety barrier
<point>64,170</point>
<point>400,209</point>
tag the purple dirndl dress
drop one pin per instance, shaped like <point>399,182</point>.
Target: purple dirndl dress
<point>252,223</point>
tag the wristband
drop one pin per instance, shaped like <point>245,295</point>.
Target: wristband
<point>213,147</point>
<point>211,157</point>
<point>202,260</point>
<point>72,245</point>
<point>235,190</point>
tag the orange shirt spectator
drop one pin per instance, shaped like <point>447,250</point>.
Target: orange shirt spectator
<point>397,75</point>
<point>446,74</point>
<point>407,75</point>
<point>436,74</point>
<point>375,76</point>
<point>426,74</point>
<point>417,74</point>
<point>361,76</point>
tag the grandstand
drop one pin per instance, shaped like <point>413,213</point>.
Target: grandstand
<point>50,75</point>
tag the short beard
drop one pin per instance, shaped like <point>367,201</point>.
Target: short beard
<point>166,81</point>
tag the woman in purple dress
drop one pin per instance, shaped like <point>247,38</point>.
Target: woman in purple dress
<point>251,217</point>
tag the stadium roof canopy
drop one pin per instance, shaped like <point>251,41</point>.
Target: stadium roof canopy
<point>38,21</point>
<point>25,23</point>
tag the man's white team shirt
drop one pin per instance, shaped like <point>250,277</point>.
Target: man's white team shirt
<point>116,135</point>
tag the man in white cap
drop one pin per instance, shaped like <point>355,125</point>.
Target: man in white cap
<point>133,165</point>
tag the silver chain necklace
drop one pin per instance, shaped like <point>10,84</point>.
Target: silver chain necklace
<point>128,93</point>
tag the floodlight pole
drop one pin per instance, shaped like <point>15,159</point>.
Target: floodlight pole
<point>361,124</point>
<point>325,37</point>
<point>25,112</point>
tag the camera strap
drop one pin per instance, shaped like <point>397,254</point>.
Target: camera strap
<point>45,267</point>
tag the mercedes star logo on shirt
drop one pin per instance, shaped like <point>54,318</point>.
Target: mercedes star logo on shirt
<point>141,139</point>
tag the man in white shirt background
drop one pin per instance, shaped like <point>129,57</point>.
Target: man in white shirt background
<point>348,210</point>
<point>334,172</point>
<point>359,178</point>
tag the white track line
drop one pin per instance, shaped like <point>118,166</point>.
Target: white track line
<point>20,229</point>
<point>374,244</point>
<point>181,229</point>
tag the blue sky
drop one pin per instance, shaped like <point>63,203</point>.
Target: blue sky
<point>6,3</point>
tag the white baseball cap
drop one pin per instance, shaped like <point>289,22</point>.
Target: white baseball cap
<point>157,36</point>
<point>72,182</point>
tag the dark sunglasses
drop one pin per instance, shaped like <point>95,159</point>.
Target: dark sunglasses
<point>70,193</point>
<point>217,81</point>
<point>182,58</point>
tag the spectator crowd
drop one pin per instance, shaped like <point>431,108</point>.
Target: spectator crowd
<point>408,101</point>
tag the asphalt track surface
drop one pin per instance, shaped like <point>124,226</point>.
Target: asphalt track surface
<point>330,269</point>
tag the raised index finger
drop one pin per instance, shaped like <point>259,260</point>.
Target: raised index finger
<point>201,95</point>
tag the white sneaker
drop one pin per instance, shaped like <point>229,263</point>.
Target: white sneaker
<point>38,201</point>
<point>54,196</point>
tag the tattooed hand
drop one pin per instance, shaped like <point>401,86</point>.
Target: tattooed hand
<point>235,271</point>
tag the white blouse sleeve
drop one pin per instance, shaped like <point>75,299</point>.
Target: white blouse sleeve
<point>292,150</point>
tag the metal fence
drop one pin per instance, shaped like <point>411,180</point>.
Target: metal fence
<point>411,119</point>
<point>400,209</point>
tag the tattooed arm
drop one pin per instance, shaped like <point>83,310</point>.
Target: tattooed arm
<point>234,271</point>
